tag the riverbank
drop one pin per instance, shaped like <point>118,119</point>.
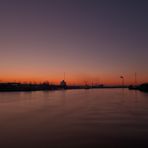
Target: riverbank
<point>10,87</point>
<point>142,87</point>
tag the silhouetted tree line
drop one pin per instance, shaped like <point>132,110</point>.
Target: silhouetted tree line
<point>41,86</point>
<point>27,87</point>
<point>142,87</point>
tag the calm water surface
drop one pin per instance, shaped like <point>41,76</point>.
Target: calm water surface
<point>113,118</point>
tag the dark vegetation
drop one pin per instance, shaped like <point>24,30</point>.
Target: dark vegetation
<point>42,86</point>
<point>142,87</point>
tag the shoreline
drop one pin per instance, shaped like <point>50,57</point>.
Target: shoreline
<point>59,89</point>
<point>17,87</point>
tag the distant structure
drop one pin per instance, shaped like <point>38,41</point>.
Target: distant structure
<point>122,77</point>
<point>63,83</point>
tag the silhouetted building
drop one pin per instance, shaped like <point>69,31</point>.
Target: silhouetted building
<point>63,84</point>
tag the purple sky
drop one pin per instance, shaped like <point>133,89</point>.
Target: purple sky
<point>90,40</point>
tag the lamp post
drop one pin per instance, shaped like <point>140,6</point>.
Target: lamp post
<point>122,80</point>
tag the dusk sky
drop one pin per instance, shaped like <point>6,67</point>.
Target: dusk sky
<point>89,40</point>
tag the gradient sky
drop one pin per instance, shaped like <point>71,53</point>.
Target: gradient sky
<point>89,40</point>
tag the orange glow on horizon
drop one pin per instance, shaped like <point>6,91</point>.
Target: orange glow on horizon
<point>72,80</point>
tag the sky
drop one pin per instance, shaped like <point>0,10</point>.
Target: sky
<point>90,40</point>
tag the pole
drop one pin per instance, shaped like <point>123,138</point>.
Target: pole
<point>64,76</point>
<point>122,80</point>
<point>135,78</point>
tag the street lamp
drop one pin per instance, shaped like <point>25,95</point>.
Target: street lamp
<point>122,80</point>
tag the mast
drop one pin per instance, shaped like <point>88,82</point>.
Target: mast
<point>64,76</point>
<point>135,78</point>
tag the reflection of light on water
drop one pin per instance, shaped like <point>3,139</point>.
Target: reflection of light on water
<point>74,116</point>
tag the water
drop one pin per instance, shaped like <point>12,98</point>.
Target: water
<point>111,118</point>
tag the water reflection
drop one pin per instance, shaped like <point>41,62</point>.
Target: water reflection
<point>74,118</point>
